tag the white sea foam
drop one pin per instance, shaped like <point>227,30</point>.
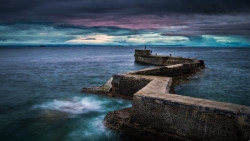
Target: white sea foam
<point>75,106</point>
<point>93,129</point>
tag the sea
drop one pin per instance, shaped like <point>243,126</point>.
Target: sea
<point>40,87</point>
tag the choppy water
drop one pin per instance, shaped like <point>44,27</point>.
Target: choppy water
<point>40,95</point>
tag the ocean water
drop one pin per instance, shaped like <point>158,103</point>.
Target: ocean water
<point>40,96</point>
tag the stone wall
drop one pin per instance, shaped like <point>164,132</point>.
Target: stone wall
<point>171,71</point>
<point>127,85</point>
<point>144,56</point>
<point>156,109</point>
<point>190,118</point>
<point>161,60</point>
<point>139,52</point>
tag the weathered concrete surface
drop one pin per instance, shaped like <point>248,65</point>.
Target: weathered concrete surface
<point>161,60</point>
<point>171,71</point>
<point>144,56</point>
<point>128,85</point>
<point>191,118</point>
<point>157,110</point>
<point>120,120</point>
<point>144,52</point>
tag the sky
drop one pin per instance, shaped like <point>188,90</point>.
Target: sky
<point>125,22</point>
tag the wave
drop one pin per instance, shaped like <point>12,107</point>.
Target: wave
<point>77,105</point>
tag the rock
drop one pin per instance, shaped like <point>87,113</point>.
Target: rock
<point>104,89</point>
<point>119,119</point>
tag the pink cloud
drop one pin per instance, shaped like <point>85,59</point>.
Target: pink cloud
<point>134,22</point>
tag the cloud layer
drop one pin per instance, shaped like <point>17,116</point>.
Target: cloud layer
<point>125,22</point>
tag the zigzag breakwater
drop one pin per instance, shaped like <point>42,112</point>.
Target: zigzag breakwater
<point>158,110</point>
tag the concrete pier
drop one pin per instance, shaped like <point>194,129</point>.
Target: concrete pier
<point>157,110</point>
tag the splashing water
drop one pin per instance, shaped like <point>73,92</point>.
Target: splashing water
<point>75,106</point>
<point>85,113</point>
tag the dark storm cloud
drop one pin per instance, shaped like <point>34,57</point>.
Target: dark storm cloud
<point>118,21</point>
<point>45,32</point>
<point>54,10</point>
<point>33,27</point>
<point>32,33</point>
<point>225,29</point>
<point>109,30</point>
